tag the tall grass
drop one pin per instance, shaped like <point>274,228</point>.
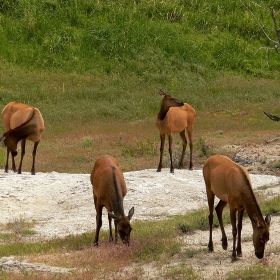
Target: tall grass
<point>133,37</point>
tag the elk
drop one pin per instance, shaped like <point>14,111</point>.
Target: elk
<point>109,189</point>
<point>231,183</point>
<point>175,116</point>
<point>21,122</point>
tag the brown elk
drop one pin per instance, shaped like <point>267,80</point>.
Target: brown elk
<point>231,183</point>
<point>21,122</point>
<point>175,116</point>
<point>109,189</point>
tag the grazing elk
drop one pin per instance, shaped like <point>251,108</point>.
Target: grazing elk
<point>175,116</point>
<point>21,122</point>
<point>109,189</point>
<point>231,183</point>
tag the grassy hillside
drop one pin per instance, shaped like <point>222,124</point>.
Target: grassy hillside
<point>94,67</point>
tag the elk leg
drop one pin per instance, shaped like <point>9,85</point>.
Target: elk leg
<point>162,141</point>
<point>234,233</point>
<point>170,140</point>
<point>116,231</point>
<point>191,149</point>
<point>184,143</point>
<point>7,161</point>
<point>23,141</point>
<point>219,210</point>
<point>239,229</point>
<point>34,156</point>
<point>211,198</point>
<point>98,222</point>
<point>110,227</point>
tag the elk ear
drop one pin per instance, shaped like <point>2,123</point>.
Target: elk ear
<point>267,219</point>
<point>130,213</point>
<point>116,218</point>
<point>161,92</point>
<point>3,138</point>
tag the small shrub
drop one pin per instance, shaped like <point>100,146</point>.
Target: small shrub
<point>264,159</point>
<point>87,142</point>
<point>79,159</point>
<point>185,228</point>
<point>202,147</point>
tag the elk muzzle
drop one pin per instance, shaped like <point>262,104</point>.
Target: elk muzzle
<point>126,240</point>
<point>259,255</point>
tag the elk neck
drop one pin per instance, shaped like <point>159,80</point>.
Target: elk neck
<point>251,205</point>
<point>21,132</point>
<point>162,112</point>
<point>116,198</point>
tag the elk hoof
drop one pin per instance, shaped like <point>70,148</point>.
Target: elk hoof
<point>210,247</point>
<point>95,244</point>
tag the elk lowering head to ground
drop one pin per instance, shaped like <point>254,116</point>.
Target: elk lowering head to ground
<point>231,183</point>
<point>175,116</point>
<point>21,122</point>
<point>109,189</point>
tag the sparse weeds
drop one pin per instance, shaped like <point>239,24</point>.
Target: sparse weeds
<point>140,149</point>
<point>264,187</point>
<point>180,271</point>
<point>18,228</point>
<point>255,272</point>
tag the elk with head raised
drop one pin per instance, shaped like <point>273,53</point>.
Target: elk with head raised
<point>231,183</point>
<point>21,122</point>
<point>109,189</point>
<point>175,116</point>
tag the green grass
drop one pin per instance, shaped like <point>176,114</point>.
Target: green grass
<point>255,272</point>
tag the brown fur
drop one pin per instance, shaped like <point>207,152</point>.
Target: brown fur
<point>109,189</point>
<point>175,117</point>
<point>21,122</point>
<point>231,183</point>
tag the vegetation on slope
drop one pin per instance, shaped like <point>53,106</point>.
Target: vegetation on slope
<point>86,64</point>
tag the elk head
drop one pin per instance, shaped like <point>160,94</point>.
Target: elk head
<point>169,100</point>
<point>10,143</point>
<point>123,225</point>
<point>260,234</point>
